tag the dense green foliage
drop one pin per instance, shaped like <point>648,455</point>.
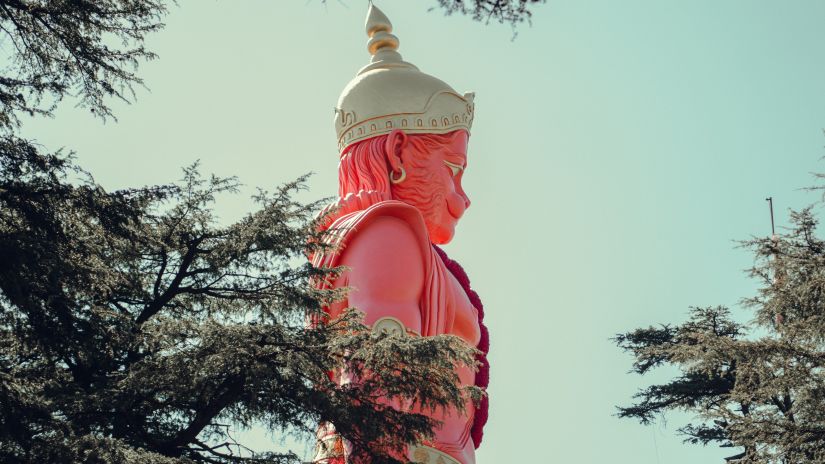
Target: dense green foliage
<point>759,387</point>
<point>135,327</point>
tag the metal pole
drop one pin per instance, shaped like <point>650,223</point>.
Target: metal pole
<point>778,318</point>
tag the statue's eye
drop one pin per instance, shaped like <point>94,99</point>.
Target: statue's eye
<point>455,168</point>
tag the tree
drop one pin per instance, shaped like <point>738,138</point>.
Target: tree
<point>759,387</point>
<point>134,327</point>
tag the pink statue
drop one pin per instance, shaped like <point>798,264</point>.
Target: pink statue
<point>403,138</point>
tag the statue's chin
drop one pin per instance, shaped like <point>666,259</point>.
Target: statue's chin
<point>439,222</point>
<point>440,234</point>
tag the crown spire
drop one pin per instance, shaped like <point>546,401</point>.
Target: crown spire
<point>382,44</point>
<point>377,21</point>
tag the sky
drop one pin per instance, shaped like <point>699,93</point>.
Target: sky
<point>619,151</point>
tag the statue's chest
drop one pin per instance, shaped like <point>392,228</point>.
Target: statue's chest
<point>465,316</point>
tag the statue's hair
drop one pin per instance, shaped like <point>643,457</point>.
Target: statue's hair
<point>364,174</point>
<point>364,165</point>
<point>364,168</point>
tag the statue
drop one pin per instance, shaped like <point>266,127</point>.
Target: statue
<point>402,136</point>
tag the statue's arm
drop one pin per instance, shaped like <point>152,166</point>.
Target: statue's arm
<point>386,272</point>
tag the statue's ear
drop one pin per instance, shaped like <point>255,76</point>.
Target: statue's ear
<point>395,146</point>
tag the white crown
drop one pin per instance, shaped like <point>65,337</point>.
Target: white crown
<point>390,93</point>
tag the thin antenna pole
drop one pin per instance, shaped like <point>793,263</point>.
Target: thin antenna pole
<point>778,318</point>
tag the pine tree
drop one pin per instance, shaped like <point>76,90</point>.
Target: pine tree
<point>759,386</point>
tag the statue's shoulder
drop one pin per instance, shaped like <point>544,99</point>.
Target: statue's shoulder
<point>382,227</point>
<point>401,211</point>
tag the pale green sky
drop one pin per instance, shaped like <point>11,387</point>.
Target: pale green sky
<point>619,148</point>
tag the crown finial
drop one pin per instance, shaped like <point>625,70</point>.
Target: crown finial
<point>382,45</point>
<point>377,21</point>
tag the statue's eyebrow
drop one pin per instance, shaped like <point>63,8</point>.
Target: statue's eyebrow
<point>454,165</point>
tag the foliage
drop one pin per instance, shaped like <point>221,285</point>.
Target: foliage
<point>503,11</point>
<point>89,48</point>
<point>133,327</point>
<point>758,387</point>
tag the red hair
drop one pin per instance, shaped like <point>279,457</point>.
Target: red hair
<point>364,165</point>
<point>364,172</point>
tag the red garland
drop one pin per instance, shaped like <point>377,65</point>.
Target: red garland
<point>483,374</point>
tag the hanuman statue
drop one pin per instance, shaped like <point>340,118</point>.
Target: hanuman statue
<point>402,139</point>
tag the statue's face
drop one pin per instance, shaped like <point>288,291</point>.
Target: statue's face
<point>433,185</point>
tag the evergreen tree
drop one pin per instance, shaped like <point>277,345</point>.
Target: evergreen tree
<point>134,326</point>
<point>758,387</point>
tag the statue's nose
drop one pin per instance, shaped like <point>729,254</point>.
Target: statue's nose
<point>464,196</point>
